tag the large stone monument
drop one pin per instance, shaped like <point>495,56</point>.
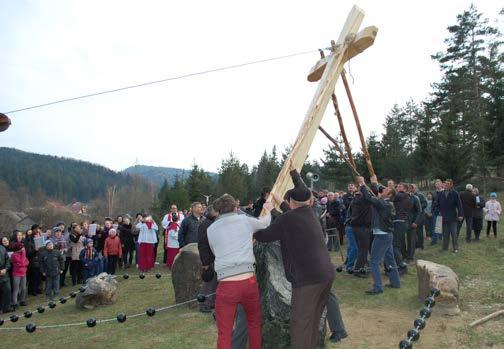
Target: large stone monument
<point>430,275</point>
<point>276,294</point>
<point>186,274</point>
<point>100,290</point>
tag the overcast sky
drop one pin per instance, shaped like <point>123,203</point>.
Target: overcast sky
<point>59,49</point>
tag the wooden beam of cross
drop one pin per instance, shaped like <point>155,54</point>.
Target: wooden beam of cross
<point>349,44</point>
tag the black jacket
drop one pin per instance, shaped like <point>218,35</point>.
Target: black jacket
<point>360,212</point>
<point>382,212</point>
<point>304,252</point>
<point>127,240</point>
<point>403,205</point>
<point>347,201</point>
<point>188,232</point>
<point>5,262</point>
<point>468,202</point>
<point>415,214</point>
<point>31,253</point>
<point>206,255</point>
<point>52,263</point>
<point>478,211</point>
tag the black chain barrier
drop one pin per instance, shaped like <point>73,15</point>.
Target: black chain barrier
<point>63,300</point>
<point>120,318</point>
<point>420,323</point>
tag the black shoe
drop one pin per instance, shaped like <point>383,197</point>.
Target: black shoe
<point>373,292</point>
<point>360,275</point>
<point>336,338</point>
<point>390,286</point>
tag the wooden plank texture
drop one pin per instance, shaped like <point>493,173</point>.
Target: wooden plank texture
<point>318,105</point>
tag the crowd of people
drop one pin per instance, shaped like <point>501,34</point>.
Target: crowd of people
<point>379,224</point>
<point>39,260</point>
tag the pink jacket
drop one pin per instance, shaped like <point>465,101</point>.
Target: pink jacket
<point>19,263</point>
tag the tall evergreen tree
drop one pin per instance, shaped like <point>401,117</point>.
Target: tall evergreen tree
<point>199,183</point>
<point>233,177</point>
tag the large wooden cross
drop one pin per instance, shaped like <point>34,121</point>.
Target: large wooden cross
<point>349,44</point>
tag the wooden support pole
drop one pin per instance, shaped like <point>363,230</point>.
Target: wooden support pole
<point>342,129</point>
<point>365,151</point>
<point>340,122</point>
<point>340,151</point>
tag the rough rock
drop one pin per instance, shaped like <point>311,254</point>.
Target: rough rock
<point>430,275</point>
<point>186,274</point>
<point>100,290</point>
<point>276,294</point>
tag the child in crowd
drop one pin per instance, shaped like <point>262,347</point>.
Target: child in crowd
<point>172,243</point>
<point>493,211</point>
<point>89,259</point>
<point>112,250</point>
<point>19,269</point>
<point>52,264</point>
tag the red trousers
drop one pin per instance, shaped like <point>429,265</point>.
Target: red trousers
<point>145,257</point>
<point>171,252</point>
<point>229,295</point>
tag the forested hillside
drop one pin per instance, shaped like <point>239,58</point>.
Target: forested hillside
<point>56,177</point>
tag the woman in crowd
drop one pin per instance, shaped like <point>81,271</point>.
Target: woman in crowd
<point>127,241</point>
<point>19,269</point>
<point>147,239</point>
<point>33,254</point>
<point>493,211</point>
<point>478,215</point>
<point>429,226</point>
<point>76,246</point>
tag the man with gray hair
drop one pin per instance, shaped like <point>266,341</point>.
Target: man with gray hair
<point>469,205</point>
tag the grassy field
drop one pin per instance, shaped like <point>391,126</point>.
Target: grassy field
<point>372,322</point>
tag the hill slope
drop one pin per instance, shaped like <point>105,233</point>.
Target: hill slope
<point>58,177</point>
<point>157,175</point>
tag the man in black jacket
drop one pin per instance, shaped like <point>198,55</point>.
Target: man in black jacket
<point>5,286</point>
<point>414,220</point>
<point>207,260</point>
<point>307,265</point>
<point>402,205</point>
<point>360,221</point>
<point>188,232</point>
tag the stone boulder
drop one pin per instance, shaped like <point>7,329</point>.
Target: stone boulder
<point>100,290</point>
<point>430,275</point>
<point>186,274</point>
<point>276,294</point>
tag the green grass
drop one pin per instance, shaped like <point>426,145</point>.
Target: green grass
<point>372,322</point>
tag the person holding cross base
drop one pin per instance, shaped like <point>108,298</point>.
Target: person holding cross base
<point>383,226</point>
<point>307,265</point>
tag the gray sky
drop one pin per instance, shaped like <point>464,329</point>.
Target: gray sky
<point>59,49</point>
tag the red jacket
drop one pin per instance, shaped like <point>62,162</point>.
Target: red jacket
<point>19,263</point>
<point>112,247</point>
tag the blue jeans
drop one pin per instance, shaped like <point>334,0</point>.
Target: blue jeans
<point>351,248</point>
<point>52,286</point>
<point>382,250</point>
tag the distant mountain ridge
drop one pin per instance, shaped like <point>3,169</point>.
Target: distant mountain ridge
<point>157,174</point>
